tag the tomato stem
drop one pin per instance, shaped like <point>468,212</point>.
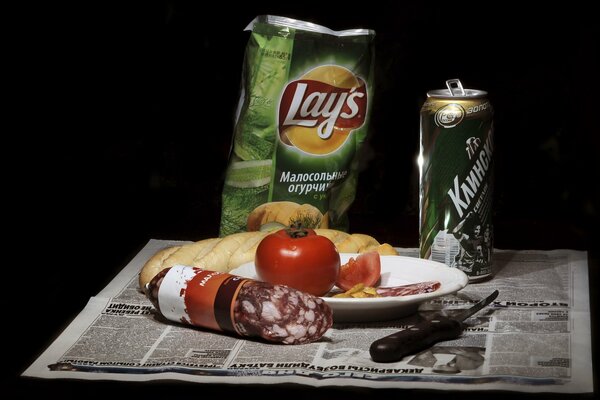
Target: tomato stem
<point>296,230</point>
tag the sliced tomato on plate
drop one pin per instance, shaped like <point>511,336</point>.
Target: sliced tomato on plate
<point>366,269</point>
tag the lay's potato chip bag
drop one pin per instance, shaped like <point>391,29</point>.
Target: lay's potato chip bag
<point>302,117</point>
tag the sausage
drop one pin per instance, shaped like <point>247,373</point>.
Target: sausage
<point>280,313</point>
<point>406,290</point>
<point>247,307</point>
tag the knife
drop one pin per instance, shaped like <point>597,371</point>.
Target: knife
<point>424,334</point>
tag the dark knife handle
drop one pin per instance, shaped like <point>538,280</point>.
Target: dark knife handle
<point>414,339</point>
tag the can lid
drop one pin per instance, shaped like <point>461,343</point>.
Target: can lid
<point>456,91</point>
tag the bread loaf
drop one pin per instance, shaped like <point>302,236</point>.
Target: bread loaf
<point>225,254</point>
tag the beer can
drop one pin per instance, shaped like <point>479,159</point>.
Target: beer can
<point>456,179</point>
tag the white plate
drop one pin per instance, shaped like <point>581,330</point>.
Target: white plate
<point>395,271</point>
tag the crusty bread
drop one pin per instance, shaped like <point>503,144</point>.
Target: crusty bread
<point>356,242</point>
<point>155,264</point>
<point>225,254</point>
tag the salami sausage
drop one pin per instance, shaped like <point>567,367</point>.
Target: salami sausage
<point>406,290</point>
<point>225,302</point>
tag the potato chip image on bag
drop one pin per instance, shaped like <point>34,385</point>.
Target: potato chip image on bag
<point>302,117</point>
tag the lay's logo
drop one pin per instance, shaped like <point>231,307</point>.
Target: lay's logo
<point>318,112</point>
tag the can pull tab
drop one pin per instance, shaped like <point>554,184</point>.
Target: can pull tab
<point>455,87</point>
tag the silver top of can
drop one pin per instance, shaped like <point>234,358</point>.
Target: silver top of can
<point>456,91</point>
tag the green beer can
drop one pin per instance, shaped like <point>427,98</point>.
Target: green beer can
<point>456,179</point>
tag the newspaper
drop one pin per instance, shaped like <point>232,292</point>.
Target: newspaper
<point>534,338</point>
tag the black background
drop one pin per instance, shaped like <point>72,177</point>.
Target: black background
<point>124,119</point>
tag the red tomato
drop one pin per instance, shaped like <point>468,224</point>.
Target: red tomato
<point>365,269</point>
<point>298,258</point>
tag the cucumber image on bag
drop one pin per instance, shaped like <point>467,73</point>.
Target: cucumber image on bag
<point>302,117</point>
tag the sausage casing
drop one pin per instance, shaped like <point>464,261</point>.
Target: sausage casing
<point>230,303</point>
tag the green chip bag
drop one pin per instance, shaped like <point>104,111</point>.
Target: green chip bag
<point>302,117</point>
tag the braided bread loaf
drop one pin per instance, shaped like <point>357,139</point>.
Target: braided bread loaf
<point>229,252</point>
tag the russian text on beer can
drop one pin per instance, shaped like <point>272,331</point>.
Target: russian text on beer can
<point>456,179</point>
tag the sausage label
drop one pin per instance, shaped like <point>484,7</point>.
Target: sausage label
<point>199,297</point>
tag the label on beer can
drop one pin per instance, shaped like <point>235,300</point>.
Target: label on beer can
<point>456,181</point>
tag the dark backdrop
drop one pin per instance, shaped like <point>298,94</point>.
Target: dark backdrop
<point>129,113</point>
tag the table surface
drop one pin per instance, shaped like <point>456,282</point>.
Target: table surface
<point>65,299</point>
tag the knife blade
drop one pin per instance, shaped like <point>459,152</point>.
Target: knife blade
<point>424,334</point>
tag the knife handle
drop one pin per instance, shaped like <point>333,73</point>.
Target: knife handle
<point>414,339</point>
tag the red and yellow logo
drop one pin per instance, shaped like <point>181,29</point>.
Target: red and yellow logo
<point>318,112</point>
